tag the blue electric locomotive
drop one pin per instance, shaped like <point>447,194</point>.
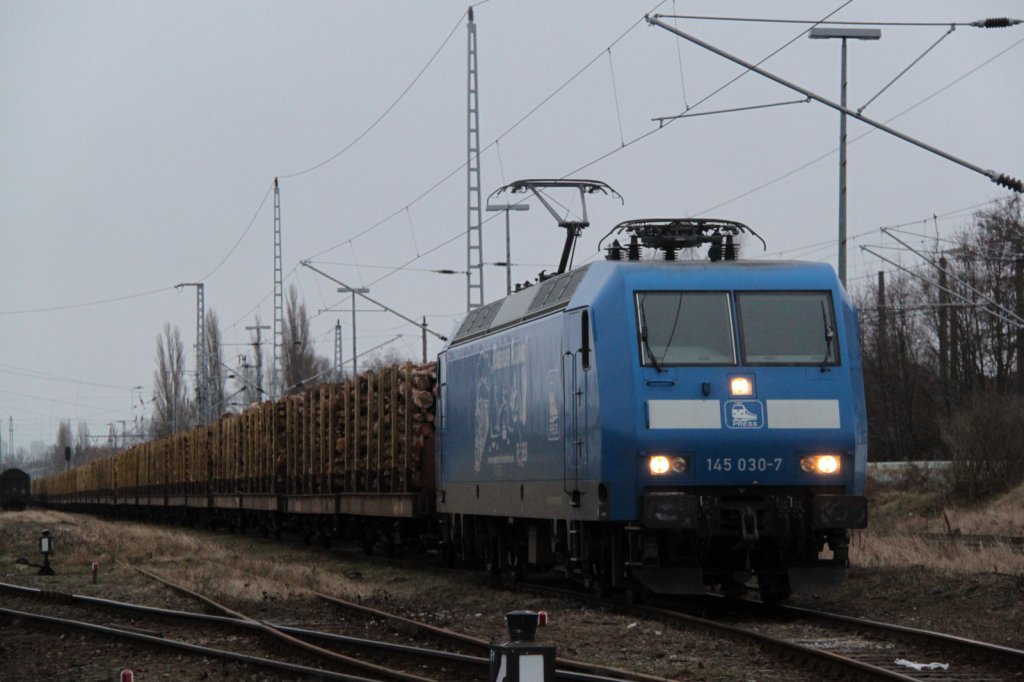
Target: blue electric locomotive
<point>664,425</point>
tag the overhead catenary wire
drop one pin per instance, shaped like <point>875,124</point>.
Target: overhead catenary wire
<point>17,371</point>
<point>707,97</point>
<point>1012,316</point>
<point>1001,179</point>
<point>1014,321</point>
<point>88,304</point>
<point>615,93</point>
<point>248,227</point>
<point>908,68</point>
<point>867,132</point>
<point>387,111</point>
<point>679,59</point>
<point>730,110</point>
<point>579,72</point>
<point>999,22</point>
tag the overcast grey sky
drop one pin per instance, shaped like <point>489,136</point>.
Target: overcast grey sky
<point>138,140</point>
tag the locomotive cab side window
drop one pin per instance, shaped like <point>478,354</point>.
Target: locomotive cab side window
<point>685,328</point>
<point>787,328</point>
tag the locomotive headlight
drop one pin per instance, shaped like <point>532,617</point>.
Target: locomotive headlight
<point>659,465</point>
<point>820,464</point>
<point>741,386</point>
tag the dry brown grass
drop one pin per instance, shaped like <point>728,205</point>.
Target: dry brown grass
<point>900,513</point>
<point>218,565</point>
<point>949,557</point>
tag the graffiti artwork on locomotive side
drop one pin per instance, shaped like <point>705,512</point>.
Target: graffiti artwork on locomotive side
<point>502,387</point>
<point>503,405</point>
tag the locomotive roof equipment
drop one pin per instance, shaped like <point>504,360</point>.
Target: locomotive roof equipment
<point>670,235</point>
<point>573,228</point>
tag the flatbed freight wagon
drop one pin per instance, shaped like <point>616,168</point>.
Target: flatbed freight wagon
<point>310,462</point>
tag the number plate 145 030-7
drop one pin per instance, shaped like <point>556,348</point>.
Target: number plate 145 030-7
<point>755,465</point>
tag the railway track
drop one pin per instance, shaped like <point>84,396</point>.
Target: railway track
<point>832,645</point>
<point>312,644</point>
<point>442,664</point>
<point>883,644</point>
<point>567,668</point>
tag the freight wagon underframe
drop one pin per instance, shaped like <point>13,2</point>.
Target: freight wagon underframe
<point>369,518</point>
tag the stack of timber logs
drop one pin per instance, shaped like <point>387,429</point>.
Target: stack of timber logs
<point>385,430</point>
<point>370,434</point>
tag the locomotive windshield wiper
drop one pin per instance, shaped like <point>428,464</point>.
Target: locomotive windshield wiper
<point>830,334</point>
<point>643,337</point>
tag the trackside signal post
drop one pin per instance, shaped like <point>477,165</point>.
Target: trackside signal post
<point>45,547</point>
<point>522,659</point>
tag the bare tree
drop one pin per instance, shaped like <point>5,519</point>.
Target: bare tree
<point>212,355</point>
<point>899,372</point>
<point>936,354</point>
<point>82,446</point>
<point>301,365</point>
<point>984,348</point>
<point>388,358</point>
<point>170,405</point>
<point>64,440</point>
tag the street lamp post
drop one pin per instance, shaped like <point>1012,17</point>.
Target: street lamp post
<point>508,238</point>
<point>843,34</point>
<point>354,291</point>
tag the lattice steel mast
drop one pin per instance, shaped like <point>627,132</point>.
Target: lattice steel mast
<point>276,371</point>
<point>474,210</point>
<point>202,369</point>
<point>339,367</point>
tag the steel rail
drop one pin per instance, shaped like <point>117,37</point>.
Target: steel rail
<point>842,665</point>
<point>570,669</point>
<point>182,646</point>
<point>390,647</point>
<point>289,639</point>
<point>986,649</point>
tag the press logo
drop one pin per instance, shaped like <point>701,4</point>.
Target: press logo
<point>744,414</point>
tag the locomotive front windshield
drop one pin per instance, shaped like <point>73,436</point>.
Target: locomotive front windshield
<point>685,328</point>
<point>776,328</point>
<point>787,328</point>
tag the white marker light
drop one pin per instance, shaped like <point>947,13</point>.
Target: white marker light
<point>741,386</point>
